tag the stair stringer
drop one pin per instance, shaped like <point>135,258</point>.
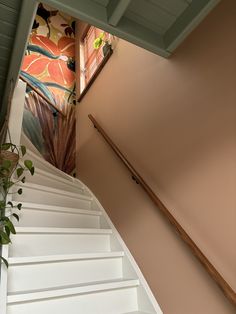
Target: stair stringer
<point>147,301</point>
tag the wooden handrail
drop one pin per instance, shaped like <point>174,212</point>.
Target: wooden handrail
<point>212,271</point>
<point>41,95</point>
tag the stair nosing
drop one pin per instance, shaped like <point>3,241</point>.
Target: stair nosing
<point>56,170</point>
<point>52,176</point>
<point>45,188</point>
<point>14,261</point>
<point>47,164</point>
<point>68,291</point>
<point>59,209</point>
<point>54,230</point>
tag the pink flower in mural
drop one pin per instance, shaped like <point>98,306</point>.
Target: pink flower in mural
<point>35,64</point>
<point>51,58</point>
<point>65,46</point>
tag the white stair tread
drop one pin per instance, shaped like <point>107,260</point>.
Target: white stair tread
<point>55,191</point>
<point>14,261</point>
<point>71,290</point>
<point>48,165</point>
<point>66,210</point>
<point>57,177</point>
<point>42,230</point>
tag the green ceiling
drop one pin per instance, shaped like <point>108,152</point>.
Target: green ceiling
<point>16,17</point>
<point>156,25</point>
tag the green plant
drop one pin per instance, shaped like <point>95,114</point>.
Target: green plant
<point>97,43</point>
<point>12,170</point>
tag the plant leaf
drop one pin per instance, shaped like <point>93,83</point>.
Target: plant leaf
<point>19,206</point>
<point>10,225</point>
<point>6,164</point>
<point>5,146</point>
<point>23,150</point>
<point>102,35</point>
<point>20,191</point>
<point>16,216</point>
<point>28,164</point>
<point>19,172</point>
<point>8,231</point>
<point>4,261</point>
<point>32,171</point>
<point>2,204</point>
<point>97,43</point>
<point>4,238</point>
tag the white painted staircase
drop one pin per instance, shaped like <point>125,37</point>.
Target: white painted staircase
<point>67,257</point>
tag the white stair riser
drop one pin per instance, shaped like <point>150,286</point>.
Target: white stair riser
<point>106,302</point>
<point>38,164</point>
<point>43,218</point>
<point>56,274</point>
<point>50,198</point>
<point>52,182</point>
<point>50,244</point>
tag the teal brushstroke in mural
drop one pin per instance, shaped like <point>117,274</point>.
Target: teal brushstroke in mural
<point>33,131</point>
<point>35,48</point>
<point>59,87</point>
<point>39,85</point>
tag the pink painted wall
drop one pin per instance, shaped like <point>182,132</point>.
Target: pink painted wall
<point>175,120</point>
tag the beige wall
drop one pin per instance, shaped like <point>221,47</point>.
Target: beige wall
<point>176,122</point>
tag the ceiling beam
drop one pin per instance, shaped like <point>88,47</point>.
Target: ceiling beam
<point>91,12</point>
<point>85,10</point>
<point>115,10</point>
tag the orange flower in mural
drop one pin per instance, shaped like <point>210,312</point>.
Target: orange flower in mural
<point>51,58</point>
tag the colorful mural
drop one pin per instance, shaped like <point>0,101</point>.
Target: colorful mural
<point>49,65</point>
<point>50,54</point>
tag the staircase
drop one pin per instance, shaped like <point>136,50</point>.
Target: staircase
<point>67,257</point>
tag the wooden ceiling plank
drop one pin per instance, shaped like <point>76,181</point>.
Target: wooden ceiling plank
<point>7,28</point>
<point>5,52</point>
<point>84,10</point>
<point>187,21</point>
<point>97,16</point>
<point>104,3</point>
<point>174,7</point>
<point>115,10</point>
<point>27,14</point>
<point>145,22</point>
<point>151,11</point>
<point>3,61</point>
<point>5,40</point>
<point>142,36</point>
<point>14,4</point>
<point>8,14</point>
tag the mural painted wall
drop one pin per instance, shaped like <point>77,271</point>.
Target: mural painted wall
<point>49,65</point>
<point>50,54</point>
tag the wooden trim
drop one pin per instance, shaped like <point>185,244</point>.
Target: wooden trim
<point>85,32</point>
<point>212,271</point>
<point>93,78</point>
<point>41,95</point>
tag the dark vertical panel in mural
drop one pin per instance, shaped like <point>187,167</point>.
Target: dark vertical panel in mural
<point>49,65</point>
